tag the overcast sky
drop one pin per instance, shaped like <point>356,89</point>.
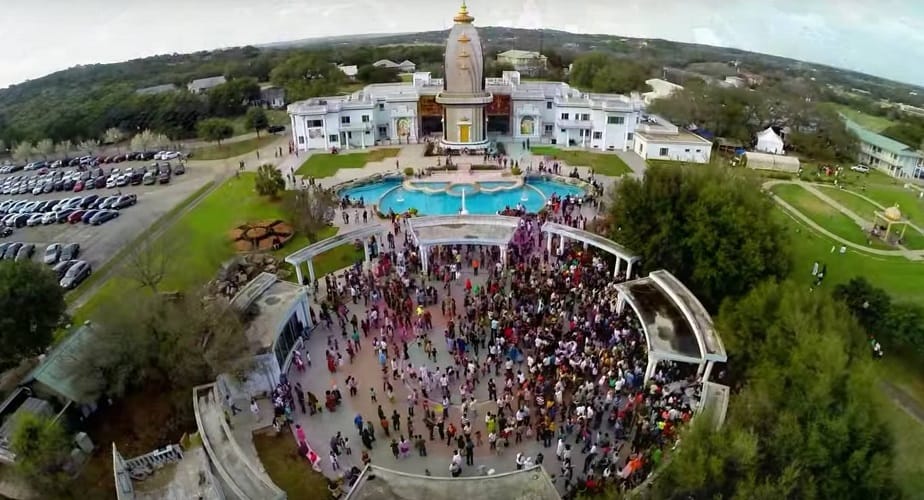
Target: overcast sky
<point>881,37</point>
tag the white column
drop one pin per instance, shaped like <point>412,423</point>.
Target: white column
<point>618,267</point>
<point>311,271</point>
<point>652,366</point>
<point>620,303</point>
<point>362,137</point>
<point>503,255</point>
<point>629,271</point>
<point>561,243</point>
<point>298,274</point>
<point>307,310</point>
<point>424,258</point>
<point>548,242</point>
<point>366,250</point>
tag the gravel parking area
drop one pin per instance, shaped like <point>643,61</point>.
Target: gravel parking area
<point>100,243</point>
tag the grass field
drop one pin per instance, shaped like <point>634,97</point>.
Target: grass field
<point>909,449</point>
<point>232,149</point>
<point>851,201</point>
<point>325,164</point>
<point>897,275</point>
<point>602,163</point>
<point>869,122</point>
<point>822,213</point>
<point>199,240</point>
<point>292,473</point>
<point>888,191</point>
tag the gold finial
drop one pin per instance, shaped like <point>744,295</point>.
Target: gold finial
<point>463,16</point>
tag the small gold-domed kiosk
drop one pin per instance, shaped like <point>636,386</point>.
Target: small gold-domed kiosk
<point>887,220</point>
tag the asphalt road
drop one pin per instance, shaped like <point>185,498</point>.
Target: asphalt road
<point>98,244</point>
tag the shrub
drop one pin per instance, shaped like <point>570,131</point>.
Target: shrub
<point>408,172</point>
<point>430,149</point>
<point>501,148</point>
<point>269,181</point>
<point>515,170</point>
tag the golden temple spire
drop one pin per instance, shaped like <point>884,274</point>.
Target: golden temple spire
<point>463,16</point>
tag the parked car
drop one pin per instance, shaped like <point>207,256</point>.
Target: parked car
<point>49,218</point>
<point>126,200</point>
<point>103,216</point>
<point>10,252</point>
<point>149,178</point>
<point>35,219</point>
<point>63,215</point>
<point>76,274</point>
<point>863,169</point>
<point>5,231</point>
<point>136,177</point>
<point>25,252</point>
<point>88,215</point>
<point>76,216</point>
<point>52,254</point>
<point>70,251</point>
<point>164,177</point>
<point>62,266</point>
<point>179,169</point>
<point>274,129</point>
<point>88,200</point>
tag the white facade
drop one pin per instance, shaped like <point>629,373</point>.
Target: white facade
<point>538,111</point>
<point>658,139</point>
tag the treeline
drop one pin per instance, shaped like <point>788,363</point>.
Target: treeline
<point>814,130</point>
<point>83,102</point>
<point>803,418</point>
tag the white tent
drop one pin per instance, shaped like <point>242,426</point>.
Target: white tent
<point>769,142</point>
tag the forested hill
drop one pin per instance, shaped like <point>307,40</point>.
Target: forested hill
<point>82,102</point>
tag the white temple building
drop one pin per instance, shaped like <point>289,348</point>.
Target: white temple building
<point>465,110</point>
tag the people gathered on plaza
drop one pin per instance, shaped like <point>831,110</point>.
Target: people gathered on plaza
<point>540,332</point>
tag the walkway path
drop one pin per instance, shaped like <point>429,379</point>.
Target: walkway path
<point>862,222</point>
<point>915,255</point>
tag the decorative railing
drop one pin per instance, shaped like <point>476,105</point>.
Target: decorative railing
<point>145,465</point>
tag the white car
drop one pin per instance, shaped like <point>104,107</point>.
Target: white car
<point>50,218</point>
<point>35,219</point>
<point>860,168</point>
<point>170,155</point>
<point>111,182</point>
<point>159,155</point>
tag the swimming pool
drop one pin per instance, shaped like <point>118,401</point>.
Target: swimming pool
<point>390,195</point>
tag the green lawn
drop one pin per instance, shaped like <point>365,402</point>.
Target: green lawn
<point>888,191</point>
<point>851,201</point>
<point>897,275</point>
<point>821,213</point>
<point>602,163</point>
<point>869,122</point>
<point>292,473</point>
<point>199,240</point>
<point>232,149</point>
<point>909,448</point>
<point>326,164</point>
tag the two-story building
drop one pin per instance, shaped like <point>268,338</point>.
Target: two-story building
<point>525,61</point>
<point>544,112</point>
<point>886,154</point>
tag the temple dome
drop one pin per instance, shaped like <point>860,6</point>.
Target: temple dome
<point>464,62</point>
<point>893,214</point>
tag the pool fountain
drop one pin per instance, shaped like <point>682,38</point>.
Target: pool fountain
<point>455,193</point>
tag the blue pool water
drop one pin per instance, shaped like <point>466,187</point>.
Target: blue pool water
<point>389,195</point>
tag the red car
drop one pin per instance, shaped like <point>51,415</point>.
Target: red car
<point>76,216</point>
<point>78,186</point>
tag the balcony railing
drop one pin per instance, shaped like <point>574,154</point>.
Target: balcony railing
<point>573,123</point>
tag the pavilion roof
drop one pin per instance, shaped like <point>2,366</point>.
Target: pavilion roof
<point>377,482</point>
<point>463,229</point>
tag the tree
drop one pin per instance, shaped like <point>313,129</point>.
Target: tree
<point>307,75</point>
<point>64,148</point>
<point>142,141</point>
<point>42,449</point>
<point>2,147</point>
<point>868,304</point>
<point>377,74</point>
<point>31,307</point>
<point>257,120</point>
<point>599,72</point>
<point>23,151</point>
<point>215,129</point>
<point>805,423</point>
<point>113,135</point>
<point>232,97</point>
<point>311,211</point>
<point>89,146</point>
<point>269,181</point>
<point>45,148</point>
<point>149,263</point>
<point>711,228</point>
<point>160,141</point>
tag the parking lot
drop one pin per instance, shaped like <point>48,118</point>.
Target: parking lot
<point>100,243</point>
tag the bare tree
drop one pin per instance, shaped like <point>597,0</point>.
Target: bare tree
<point>142,141</point>
<point>160,141</point>
<point>149,263</point>
<point>64,148</point>
<point>112,136</point>
<point>311,210</point>
<point>45,147</point>
<point>89,146</point>
<point>23,151</point>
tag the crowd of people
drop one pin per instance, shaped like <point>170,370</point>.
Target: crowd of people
<point>534,348</point>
